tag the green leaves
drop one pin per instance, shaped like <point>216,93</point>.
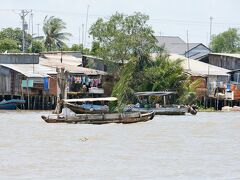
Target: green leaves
<point>8,45</point>
<point>37,47</point>
<point>226,42</point>
<point>145,74</point>
<point>54,37</point>
<point>121,37</point>
<point>11,40</point>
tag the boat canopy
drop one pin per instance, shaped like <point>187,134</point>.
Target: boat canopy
<point>156,93</point>
<point>90,99</point>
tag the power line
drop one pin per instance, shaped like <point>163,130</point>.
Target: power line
<point>154,20</point>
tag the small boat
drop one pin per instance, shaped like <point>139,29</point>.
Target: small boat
<point>164,110</point>
<point>11,104</point>
<point>104,118</point>
<point>161,110</point>
<point>87,105</point>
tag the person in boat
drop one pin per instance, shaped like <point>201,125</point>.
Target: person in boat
<point>192,109</point>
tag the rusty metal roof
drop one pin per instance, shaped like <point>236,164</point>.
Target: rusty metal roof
<point>199,68</point>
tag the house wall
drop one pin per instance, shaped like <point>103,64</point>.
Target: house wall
<point>5,81</point>
<point>93,64</point>
<point>216,81</point>
<point>226,62</point>
<point>53,85</point>
<point>19,58</point>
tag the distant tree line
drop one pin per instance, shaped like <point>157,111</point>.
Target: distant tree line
<point>54,39</point>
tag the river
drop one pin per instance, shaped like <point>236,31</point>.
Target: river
<point>205,146</point>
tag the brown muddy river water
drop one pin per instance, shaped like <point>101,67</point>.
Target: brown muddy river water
<point>205,146</point>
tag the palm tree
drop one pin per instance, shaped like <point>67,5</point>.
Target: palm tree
<point>147,75</point>
<point>54,37</point>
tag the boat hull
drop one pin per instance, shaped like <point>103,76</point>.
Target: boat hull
<point>124,118</point>
<point>163,110</point>
<point>11,104</point>
<point>8,106</point>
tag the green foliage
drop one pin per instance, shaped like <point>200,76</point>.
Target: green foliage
<point>145,74</point>
<point>15,36</point>
<point>123,89</point>
<point>164,75</point>
<point>123,37</point>
<point>96,49</point>
<point>37,47</point>
<point>226,42</point>
<point>54,37</point>
<point>189,93</point>
<point>8,45</point>
<point>76,47</point>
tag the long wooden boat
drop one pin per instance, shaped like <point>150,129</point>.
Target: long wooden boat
<point>104,118</point>
<point>11,104</point>
<point>164,110</point>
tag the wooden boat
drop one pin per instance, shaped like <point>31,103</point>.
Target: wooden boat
<point>104,118</point>
<point>165,109</point>
<point>87,105</point>
<point>11,104</point>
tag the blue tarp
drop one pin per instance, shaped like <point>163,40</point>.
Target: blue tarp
<point>94,107</point>
<point>45,83</point>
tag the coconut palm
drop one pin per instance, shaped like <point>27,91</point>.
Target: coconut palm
<point>144,74</point>
<point>54,37</point>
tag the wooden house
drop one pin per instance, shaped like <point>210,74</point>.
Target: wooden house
<point>224,60</point>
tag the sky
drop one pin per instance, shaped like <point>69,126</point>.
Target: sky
<point>167,17</point>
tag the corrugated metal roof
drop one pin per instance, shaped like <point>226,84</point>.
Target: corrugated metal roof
<point>227,54</point>
<point>200,68</point>
<point>31,70</point>
<point>174,44</point>
<point>169,39</point>
<point>55,60</point>
<point>69,63</point>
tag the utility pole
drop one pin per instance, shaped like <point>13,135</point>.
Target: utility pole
<point>38,29</point>
<point>32,23</point>
<point>79,36</point>
<point>86,25</point>
<point>23,14</point>
<point>188,52</point>
<point>210,36</point>
<point>82,37</point>
<point>32,38</point>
